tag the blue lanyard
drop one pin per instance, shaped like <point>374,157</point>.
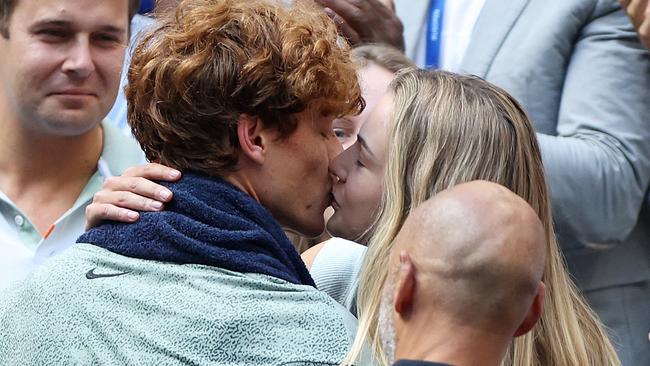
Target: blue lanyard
<point>146,6</point>
<point>434,34</point>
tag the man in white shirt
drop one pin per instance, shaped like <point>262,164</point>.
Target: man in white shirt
<point>60,66</point>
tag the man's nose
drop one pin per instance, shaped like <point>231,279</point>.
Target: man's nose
<point>79,61</point>
<point>335,148</point>
<point>336,168</point>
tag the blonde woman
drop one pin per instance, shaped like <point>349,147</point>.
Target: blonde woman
<point>432,131</point>
<point>448,129</point>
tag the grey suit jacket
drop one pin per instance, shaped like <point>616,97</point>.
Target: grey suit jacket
<point>583,77</point>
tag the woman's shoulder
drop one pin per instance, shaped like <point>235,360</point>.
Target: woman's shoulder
<point>337,253</point>
<point>335,266</point>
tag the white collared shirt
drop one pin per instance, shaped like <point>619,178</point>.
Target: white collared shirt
<point>23,248</point>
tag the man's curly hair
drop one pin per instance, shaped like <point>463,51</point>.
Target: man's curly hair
<point>212,60</point>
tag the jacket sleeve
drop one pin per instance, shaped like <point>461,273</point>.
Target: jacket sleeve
<point>598,166</point>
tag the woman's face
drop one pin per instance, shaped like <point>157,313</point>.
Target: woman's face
<point>374,81</point>
<point>360,172</point>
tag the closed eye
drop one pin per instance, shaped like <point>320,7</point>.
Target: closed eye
<point>107,39</point>
<point>328,135</point>
<point>54,34</point>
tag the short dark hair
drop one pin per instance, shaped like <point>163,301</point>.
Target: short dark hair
<point>7,8</point>
<point>192,77</point>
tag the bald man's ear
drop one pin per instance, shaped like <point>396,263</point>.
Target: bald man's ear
<point>534,312</point>
<point>405,285</point>
<point>252,137</point>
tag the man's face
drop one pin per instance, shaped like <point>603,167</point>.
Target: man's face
<point>60,65</point>
<point>298,187</point>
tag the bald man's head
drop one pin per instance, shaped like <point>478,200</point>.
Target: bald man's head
<point>476,253</point>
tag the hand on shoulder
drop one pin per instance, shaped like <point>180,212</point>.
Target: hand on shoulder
<point>121,197</point>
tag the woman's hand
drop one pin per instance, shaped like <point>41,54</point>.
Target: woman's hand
<point>122,196</point>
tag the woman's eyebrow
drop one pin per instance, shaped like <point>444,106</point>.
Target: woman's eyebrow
<point>363,143</point>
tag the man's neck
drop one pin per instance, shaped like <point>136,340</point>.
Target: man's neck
<point>242,181</point>
<point>454,345</point>
<point>43,175</point>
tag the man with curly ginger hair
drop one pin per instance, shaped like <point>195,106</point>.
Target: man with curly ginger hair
<point>240,96</point>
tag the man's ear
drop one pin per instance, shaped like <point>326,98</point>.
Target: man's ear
<point>250,131</point>
<point>534,312</point>
<point>405,285</point>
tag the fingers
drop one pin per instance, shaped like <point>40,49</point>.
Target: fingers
<point>126,200</point>
<point>122,196</point>
<point>344,8</point>
<point>359,14</point>
<point>153,171</point>
<point>366,21</point>
<point>390,4</point>
<point>644,28</point>
<point>118,206</point>
<point>98,212</point>
<point>137,185</point>
<point>344,28</point>
<point>639,13</point>
<point>636,10</point>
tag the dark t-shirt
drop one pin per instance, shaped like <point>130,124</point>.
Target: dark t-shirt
<point>418,363</point>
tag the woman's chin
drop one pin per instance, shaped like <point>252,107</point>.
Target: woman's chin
<point>334,228</point>
<point>337,227</point>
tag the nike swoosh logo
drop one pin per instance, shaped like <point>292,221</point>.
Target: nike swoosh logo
<point>91,275</point>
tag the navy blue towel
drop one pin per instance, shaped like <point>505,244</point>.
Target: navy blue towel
<point>210,222</point>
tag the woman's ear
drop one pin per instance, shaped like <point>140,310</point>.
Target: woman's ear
<point>251,138</point>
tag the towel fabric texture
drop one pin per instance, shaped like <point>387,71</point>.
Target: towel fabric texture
<point>211,222</point>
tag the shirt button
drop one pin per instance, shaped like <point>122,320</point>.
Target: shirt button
<point>19,220</point>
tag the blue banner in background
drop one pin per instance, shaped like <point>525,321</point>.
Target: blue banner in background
<point>146,6</point>
<point>434,34</point>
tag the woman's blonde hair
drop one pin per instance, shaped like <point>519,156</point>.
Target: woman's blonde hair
<point>448,129</point>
